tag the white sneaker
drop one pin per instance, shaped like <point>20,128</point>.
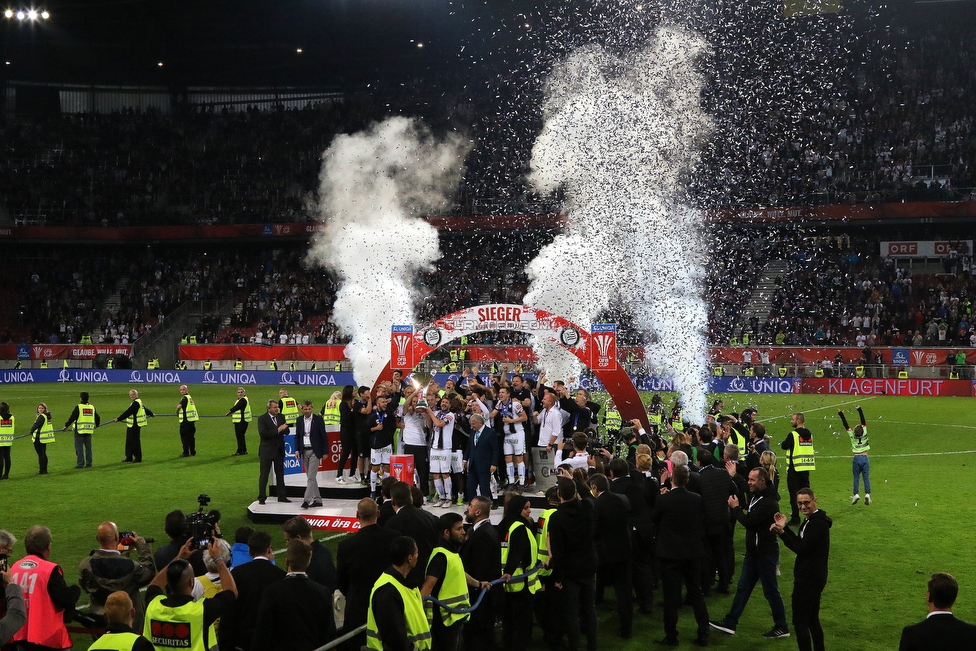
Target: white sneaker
<point>867,499</point>
<point>856,498</point>
<point>340,480</point>
<point>444,503</point>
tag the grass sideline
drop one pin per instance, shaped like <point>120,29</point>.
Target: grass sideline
<point>922,458</point>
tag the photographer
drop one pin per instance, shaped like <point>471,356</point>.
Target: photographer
<point>14,611</point>
<point>174,529</point>
<point>579,458</point>
<point>107,570</point>
<point>173,618</point>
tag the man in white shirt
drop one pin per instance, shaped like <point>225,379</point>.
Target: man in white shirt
<point>512,416</point>
<point>580,458</point>
<point>550,421</point>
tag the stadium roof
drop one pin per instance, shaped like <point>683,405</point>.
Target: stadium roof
<point>253,42</point>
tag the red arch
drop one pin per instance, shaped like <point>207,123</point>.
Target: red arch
<point>521,318</point>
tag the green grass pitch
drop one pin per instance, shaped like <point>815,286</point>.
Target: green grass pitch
<point>922,461</point>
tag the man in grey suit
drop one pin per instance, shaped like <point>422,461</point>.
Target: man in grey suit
<point>272,429</point>
<point>480,457</point>
<point>311,443</point>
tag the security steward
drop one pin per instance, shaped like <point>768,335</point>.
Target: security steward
<point>448,583</point>
<point>187,414</point>
<point>289,409</point>
<point>240,414</point>
<point>135,418</point>
<point>396,618</point>
<point>173,619</point>
<point>119,634</point>
<point>49,598</point>
<point>799,447</point>
<point>519,553</point>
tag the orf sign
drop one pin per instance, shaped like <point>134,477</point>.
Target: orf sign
<point>901,248</point>
<point>603,348</point>
<point>401,347</point>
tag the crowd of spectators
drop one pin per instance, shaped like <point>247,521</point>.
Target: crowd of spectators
<point>899,127</point>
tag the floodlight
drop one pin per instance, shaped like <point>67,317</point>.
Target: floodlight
<point>45,15</point>
<point>9,13</point>
<point>21,15</point>
<point>32,14</point>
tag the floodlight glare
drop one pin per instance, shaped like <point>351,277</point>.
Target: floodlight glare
<point>21,15</point>
<point>9,13</point>
<point>160,64</point>
<point>45,15</point>
<point>32,14</point>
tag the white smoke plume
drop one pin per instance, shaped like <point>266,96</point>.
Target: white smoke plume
<point>372,187</point>
<point>619,134</point>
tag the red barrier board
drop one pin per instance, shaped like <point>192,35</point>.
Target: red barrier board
<point>76,351</point>
<point>888,387</point>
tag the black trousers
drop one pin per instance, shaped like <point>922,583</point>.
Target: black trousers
<point>674,573</point>
<point>239,430</point>
<point>41,449</point>
<point>5,461</point>
<point>719,547</point>
<point>188,432</point>
<point>578,610</point>
<point>643,572</point>
<point>350,451</point>
<point>445,638</point>
<point>133,443</point>
<point>794,482</point>
<point>422,464</point>
<point>479,631</point>
<point>279,470</point>
<point>619,575</point>
<point>806,617</point>
<point>517,620</point>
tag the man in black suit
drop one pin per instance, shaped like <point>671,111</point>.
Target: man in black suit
<point>481,555</point>
<point>612,536</point>
<point>360,559</point>
<point>237,627</point>
<point>415,523</point>
<point>940,629</point>
<point>272,429</point>
<point>481,457</point>
<point>716,487</point>
<point>320,569</point>
<point>812,547</point>
<point>626,481</point>
<point>295,613</point>
<point>680,527</point>
<point>311,443</point>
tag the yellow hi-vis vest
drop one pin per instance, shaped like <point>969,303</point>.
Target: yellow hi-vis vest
<point>418,630</point>
<point>289,409</point>
<point>739,441</point>
<point>176,628</point>
<point>46,435</point>
<point>718,371</point>
<point>654,419</point>
<point>802,454</point>
<point>114,642</point>
<point>140,417</point>
<point>818,373</point>
<point>207,365</point>
<point>331,415</point>
<point>238,365</point>
<point>612,420</point>
<point>533,581</point>
<point>543,554</point>
<point>454,590</point>
<point>243,416</point>
<point>902,375</point>
<point>191,411</point>
<point>859,371</point>
<point>6,432</point>
<point>109,364</point>
<point>782,371</point>
<point>678,423</point>
<point>86,419</point>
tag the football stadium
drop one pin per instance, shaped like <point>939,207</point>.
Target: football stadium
<point>487,326</point>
